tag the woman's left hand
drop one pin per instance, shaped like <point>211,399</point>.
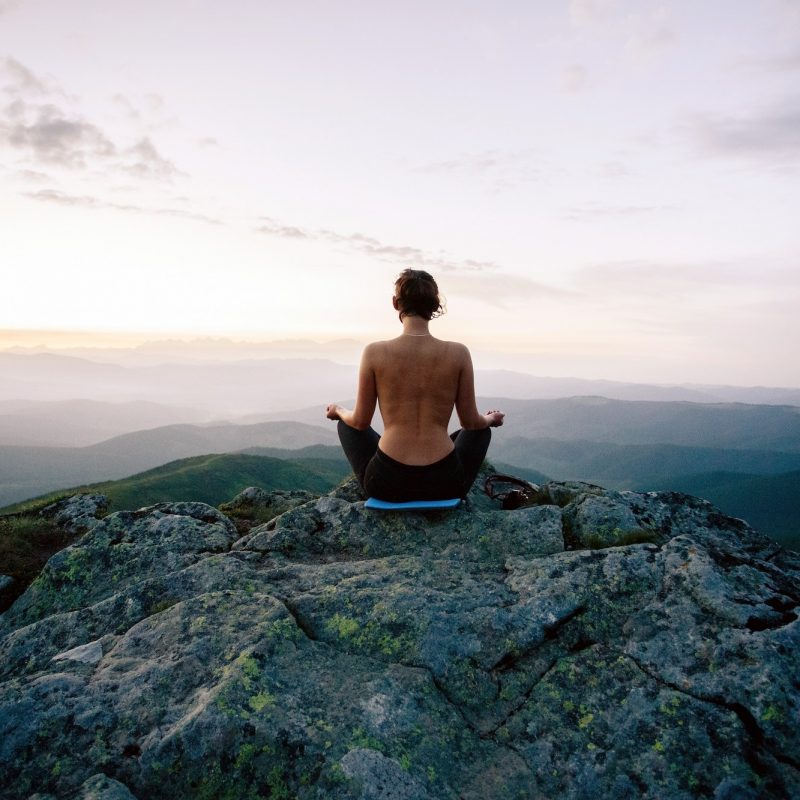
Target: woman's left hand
<point>495,418</point>
<point>332,411</point>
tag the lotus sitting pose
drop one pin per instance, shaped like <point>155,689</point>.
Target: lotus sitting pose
<point>417,380</point>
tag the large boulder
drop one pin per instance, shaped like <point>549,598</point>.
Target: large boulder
<point>78,513</point>
<point>255,505</point>
<point>335,652</point>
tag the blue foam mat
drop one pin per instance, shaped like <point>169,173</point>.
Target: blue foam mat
<point>411,505</point>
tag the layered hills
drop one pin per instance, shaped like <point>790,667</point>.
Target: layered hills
<point>742,457</point>
<point>215,478</point>
<point>29,471</point>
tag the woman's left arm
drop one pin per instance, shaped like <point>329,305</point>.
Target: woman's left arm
<point>366,399</point>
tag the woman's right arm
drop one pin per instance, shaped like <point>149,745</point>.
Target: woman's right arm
<point>467,409</point>
<point>366,399</point>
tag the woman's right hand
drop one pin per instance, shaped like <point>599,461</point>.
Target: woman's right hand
<point>495,418</point>
<point>332,411</point>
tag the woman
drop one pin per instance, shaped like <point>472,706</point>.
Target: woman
<point>417,380</point>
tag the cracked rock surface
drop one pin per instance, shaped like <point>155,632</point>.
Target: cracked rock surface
<point>600,644</point>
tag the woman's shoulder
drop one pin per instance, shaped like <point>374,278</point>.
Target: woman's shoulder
<point>374,346</point>
<point>456,347</point>
<point>374,351</point>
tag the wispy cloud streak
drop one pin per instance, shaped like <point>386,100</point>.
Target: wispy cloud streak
<point>9,5</point>
<point>86,201</point>
<point>485,281</point>
<point>406,255</point>
<point>634,279</point>
<point>588,213</point>
<point>500,168</point>
<point>774,134</point>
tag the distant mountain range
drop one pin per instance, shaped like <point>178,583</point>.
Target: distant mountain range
<point>600,419</point>
<point>77,423</point>
<point>222,389</point>
<point>738,446</point>
<point>744,458</point>
<point>635,466</point>
<point>505,383</point>
<point>230,390</point>
<point>585,422</point>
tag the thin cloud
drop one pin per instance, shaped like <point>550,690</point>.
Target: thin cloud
<point>469,162</point>
<point>127,106</point>
<point>613,170</point>
<point>501,289</point>
<point>481,163</point>
<point>32,176</point>
<point>148,162</point>
<point>481,280</point>
<point>21,78</point>
<point>670,279</point>
<point>274,228</point>
<point>34,124</point>
<point>497,169</point>
<point>585,13</point>
<point>596,211</point>
<point>652,33</point>
<point>9,5</point>
<point>85,201</point>
<point>774,134</point>
<point>787,62</point>
<point>155,102</point>
<point>51,137</point>
<point>573,78</point>
<point>398,254</point>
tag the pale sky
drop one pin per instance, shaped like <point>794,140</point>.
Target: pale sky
<point>602,188</point>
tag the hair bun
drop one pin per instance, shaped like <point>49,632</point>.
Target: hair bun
<point>417,294</point>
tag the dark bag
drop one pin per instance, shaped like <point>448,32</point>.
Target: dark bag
<point>512,492</point>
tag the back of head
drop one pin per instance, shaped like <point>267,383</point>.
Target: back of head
<point>417,294</point>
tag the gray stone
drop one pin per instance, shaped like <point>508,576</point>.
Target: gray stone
<point>332,525</point>
<point>101,787</point>
<point>599,520</point>
<point>76,514</point>
<point>255,505</point>
<point>89,653</point>
<point>380,778</point>
<point>335,652</point>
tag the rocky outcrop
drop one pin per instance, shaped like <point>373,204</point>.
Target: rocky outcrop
<point>254,505</point>
<point>601,644</point>
<point>78,513</point>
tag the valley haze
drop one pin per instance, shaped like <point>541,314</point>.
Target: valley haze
<point>73,417</point>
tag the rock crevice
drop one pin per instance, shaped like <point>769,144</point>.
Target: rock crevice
<point>599,644</point>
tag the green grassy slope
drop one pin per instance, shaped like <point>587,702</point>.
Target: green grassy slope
<point>30,471</point>
<point>212,479</point>
<point>532,475</point>
<point>628,466</point>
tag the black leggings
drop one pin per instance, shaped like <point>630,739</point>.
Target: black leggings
<point>382,477</point>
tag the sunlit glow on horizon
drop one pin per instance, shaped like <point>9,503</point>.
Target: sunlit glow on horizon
<point>601,189</point>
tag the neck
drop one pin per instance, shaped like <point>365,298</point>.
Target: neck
<point>415,326</point>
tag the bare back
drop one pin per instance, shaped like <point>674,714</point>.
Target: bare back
<point>418,380</point>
